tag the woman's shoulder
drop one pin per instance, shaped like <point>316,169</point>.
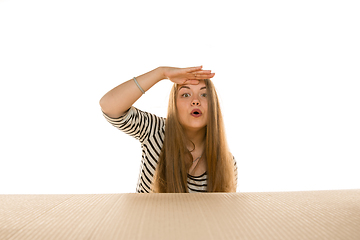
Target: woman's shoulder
<point>134,113</point>
<point>152,118</point>
<point>138,123</point>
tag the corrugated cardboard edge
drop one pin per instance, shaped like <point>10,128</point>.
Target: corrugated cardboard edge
<point>274,215</point>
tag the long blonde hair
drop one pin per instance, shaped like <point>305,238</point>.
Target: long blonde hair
<point>175,159</point>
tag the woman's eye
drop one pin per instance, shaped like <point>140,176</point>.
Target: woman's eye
<point>204,95</point>
<point>185,95</point>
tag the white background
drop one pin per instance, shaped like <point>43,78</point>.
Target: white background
<point>287,73</point>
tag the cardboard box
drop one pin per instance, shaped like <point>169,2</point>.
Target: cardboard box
<point>273,215</point>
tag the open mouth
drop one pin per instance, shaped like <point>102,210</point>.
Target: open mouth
<point>196,113</point>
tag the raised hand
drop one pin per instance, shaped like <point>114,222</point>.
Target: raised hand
<point>191,75</point>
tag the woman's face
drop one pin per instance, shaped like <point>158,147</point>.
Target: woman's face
<point>192,106</point>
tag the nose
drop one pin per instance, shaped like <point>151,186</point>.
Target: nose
<point>195,102</point>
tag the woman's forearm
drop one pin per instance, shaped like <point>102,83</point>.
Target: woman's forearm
<point>118,100</point>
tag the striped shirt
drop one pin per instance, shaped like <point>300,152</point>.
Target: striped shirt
<point>149,129</point>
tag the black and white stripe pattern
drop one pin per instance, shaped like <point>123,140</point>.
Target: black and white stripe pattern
<point>197,183</point>
<point>149,129</point>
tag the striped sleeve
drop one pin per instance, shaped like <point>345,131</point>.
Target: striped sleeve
<point>136,123</point>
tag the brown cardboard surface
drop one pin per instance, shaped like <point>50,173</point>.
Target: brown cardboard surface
<point>273,215</point>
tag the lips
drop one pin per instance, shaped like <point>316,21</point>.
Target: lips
<point>196,113</point>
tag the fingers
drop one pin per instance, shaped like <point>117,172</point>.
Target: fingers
<point>202,72</point>
<point>198,72</point>
<point>195,74</point>
<point>202,75</point>
<point>194,78</point>
<point>193,69</point>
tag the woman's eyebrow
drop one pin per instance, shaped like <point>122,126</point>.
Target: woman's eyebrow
<point>184,87</point>
<point>189,88</point>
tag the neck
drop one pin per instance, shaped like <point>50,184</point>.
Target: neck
<point>197,137</point>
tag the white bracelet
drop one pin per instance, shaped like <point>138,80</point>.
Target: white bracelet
<point>142,90</point>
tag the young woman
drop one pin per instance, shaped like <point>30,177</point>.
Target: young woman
<point>187,151</point>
